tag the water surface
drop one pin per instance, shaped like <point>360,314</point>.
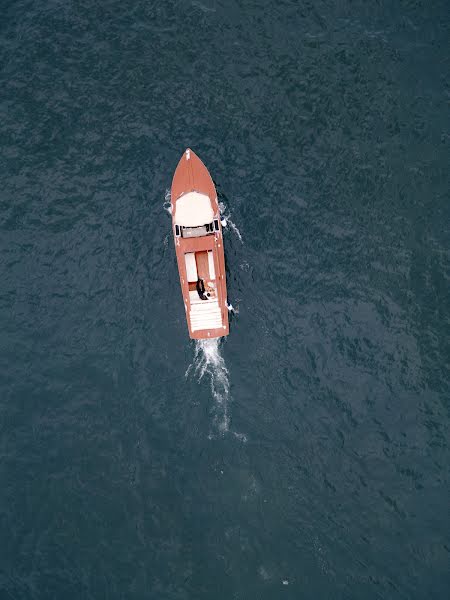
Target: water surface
<point>307,455</point>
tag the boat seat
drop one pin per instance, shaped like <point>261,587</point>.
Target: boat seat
<point>194,298</point>
<point>191,267</point>
<point>193,210</point>
<point>202,265</point>
<point>212,273</point>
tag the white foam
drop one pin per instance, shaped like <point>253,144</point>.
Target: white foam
<point>209,361</point>
<point>231,309</point>
<point>168,202</point>
<point>226,216</point>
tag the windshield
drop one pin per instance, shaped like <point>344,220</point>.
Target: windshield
<point>190,232</point>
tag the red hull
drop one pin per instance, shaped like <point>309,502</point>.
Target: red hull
<point>205,253</point>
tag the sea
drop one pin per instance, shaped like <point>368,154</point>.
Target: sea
<point>306,455</point>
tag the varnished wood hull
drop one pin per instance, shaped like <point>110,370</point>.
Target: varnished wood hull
<point>191,175</point>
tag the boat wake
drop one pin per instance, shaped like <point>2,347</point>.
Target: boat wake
<point>231,309</point>
<point>209,361</point>
<point>226,221</point>
<point>167,202</point>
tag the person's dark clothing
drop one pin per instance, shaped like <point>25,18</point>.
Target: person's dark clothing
<point>201,289</point>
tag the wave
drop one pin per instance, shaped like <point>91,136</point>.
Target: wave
<point>168,202</point>
<point>226,220</point>
<point>208,361</point>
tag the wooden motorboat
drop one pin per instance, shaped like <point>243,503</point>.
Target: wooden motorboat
<point>199,248</point>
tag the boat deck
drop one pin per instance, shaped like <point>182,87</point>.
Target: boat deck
<point>204,314</point>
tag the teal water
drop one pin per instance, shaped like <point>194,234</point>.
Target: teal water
<point>306,456</point>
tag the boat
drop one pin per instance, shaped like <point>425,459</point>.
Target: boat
<point>197,231</point>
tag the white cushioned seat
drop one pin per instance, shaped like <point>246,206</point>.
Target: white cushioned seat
<point>212,273</point>
<point>191,267</point>
<point>193,210</point>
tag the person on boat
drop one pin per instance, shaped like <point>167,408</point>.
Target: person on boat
<point>201,289</point>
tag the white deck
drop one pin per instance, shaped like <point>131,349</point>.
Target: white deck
<point>204,314</point>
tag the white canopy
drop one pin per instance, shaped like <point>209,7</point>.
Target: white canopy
<point>193,210</point>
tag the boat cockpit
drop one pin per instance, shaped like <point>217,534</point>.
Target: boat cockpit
<point>193,232</point>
